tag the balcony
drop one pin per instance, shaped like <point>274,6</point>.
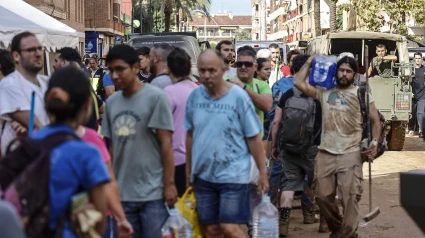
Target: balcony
<point>277,35</point>
<point>216,34</point>
<point>281,11</point>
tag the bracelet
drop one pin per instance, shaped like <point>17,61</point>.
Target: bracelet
<point>244,87</point>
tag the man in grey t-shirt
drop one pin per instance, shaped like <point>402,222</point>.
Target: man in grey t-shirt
<point>158,57</point>
<point>143,160</point>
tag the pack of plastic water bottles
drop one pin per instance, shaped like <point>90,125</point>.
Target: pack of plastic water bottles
<point>323,71</point>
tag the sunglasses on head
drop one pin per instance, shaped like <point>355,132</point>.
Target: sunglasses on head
<point>247,64</point>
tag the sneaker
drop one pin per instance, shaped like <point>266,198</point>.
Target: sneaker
<point>284,218</point>
<point>421,134</point>
<point>411,133</point>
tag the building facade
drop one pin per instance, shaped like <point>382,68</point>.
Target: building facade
<point>260,13</point>
<point>104,26</point>
<point>69,12</point>
<point>219,27</point>
<point>293,20</point>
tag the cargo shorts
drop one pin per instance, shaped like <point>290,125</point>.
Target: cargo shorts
<point>296,167</point>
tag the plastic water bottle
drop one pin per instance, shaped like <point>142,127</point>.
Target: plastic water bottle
<point>323,71</point>
<point>176,226</point>
<point>266,224</point>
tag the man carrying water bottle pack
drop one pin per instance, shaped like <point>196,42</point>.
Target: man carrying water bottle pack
<point>339,161</point>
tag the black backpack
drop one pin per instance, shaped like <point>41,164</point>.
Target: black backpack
<point>361,94</point>
<point>24,180</point>
<point>296,130</point>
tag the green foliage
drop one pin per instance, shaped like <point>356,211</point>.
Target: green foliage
<point>243,34</point>
<point>339,18</point>
<point>399,12</point>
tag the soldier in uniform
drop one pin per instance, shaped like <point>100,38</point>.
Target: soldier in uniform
<point>382,62</point>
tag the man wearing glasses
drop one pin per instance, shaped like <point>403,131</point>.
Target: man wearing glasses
<point>17,87</point>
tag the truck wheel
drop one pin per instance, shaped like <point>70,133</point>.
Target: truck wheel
<point>396,136</point>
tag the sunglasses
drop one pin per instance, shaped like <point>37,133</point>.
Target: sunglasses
<point>247,64</point>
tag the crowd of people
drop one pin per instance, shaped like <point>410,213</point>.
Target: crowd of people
<point>143,131</point>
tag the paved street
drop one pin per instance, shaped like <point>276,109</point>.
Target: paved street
<point>393,220</point>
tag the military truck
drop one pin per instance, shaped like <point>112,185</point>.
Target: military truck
<point>184,40</point>
<point>392,95</point>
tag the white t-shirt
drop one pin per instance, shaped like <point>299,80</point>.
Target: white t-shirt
<point>341,120</point>
<point>16,96</point>
<point>230,73</point>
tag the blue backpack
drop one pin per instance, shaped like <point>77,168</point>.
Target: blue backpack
<point>278,89</point>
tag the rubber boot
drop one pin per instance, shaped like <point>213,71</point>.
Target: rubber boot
<point>309,214</point>
<point>323,226</point>
<point>284,217</point>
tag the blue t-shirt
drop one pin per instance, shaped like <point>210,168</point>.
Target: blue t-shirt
<point>107,81</point>
<point>220,126</point>
<point>74,164</point>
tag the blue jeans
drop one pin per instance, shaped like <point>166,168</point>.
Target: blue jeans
<point>221,203</point>
<point>146,218</point>
<point>111,228</point>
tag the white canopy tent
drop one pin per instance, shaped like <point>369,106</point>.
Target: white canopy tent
<point>17,16</point>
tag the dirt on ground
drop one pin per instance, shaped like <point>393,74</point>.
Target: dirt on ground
<point>393,220</point>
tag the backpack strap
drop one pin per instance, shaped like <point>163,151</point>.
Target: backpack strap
<point>258,88</point>
<point>297,92</point>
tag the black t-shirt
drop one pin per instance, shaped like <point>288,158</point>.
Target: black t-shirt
<point>318,118</point>
<point>418,81</point>
<point>144,78</point>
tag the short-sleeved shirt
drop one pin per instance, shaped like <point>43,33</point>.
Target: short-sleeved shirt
<point>318,117</point>
<point>74,164</point>
<point>177,95</point>
<point>161,81</point>
<point>220,127</point>
<point>92,137</point>
<point>382,66</point>
<point>230,73</point>
<point>132,123</point>
<point>341,120</point>
<point>15,95</point>
<point>259,87</point>
<point>107,81</point>
<point>418,83</point>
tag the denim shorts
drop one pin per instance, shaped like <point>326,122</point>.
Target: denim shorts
<point>221,203</point>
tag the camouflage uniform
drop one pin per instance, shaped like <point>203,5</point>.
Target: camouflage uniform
<point>382,66</point>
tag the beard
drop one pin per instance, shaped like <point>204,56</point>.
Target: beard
<point>346,84</point>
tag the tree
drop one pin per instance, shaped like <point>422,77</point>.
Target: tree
<point>339,18</point>
<point>392,13</point>
<point>332,15</point>
<point>243,34</point>
<point>317,26</point>
<point>186,6</point>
